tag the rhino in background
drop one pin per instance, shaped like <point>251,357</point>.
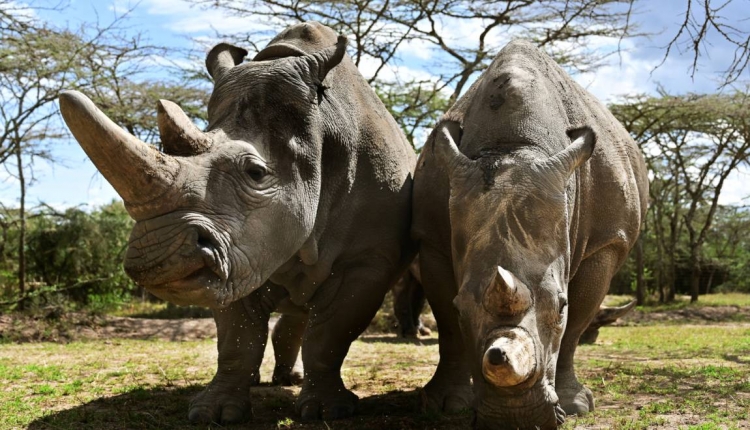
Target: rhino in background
<point>296,197</point>
<point>528,196</point>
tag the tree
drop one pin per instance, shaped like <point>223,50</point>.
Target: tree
<point>703,18</point>
<point>380,31</point>
<point>38,61</point>
<point>692,144</point>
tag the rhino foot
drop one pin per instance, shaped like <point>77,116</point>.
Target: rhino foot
<point>446,398</point>
<point>220,404</point>
<point>286,377</point>
<point>576,400</point>
<point>326,402</point>
<point>424,331</point>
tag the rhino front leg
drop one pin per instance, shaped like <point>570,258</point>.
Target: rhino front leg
<point>341,310</point>
<point>449,390</point>
<point>287,340</point>
<point>242,331</point>
<point>586,292</point>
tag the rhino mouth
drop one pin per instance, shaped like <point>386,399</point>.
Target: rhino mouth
<point>191,258</point>
<point>536,408</point>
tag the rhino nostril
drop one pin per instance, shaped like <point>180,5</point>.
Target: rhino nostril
<point>496,356</point>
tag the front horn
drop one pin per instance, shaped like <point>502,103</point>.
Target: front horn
<point>138,172</point>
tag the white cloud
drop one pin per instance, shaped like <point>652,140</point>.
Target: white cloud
<point>181,17</point>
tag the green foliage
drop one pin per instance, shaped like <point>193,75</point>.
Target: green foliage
<point>692,145</point>
<point>416,106</point>
<point>72,256</point>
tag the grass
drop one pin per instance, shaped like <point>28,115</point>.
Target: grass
<point>688,376</point>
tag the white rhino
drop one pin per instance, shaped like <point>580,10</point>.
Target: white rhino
<point>296,197</point>
<point>528,196</point>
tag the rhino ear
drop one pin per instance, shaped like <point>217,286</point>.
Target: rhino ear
<point>321,62</point>
<point>222,58</point>
<point>583,141</point>
<point>445,148</point>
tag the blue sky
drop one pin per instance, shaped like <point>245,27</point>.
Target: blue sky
<point>173,23</point>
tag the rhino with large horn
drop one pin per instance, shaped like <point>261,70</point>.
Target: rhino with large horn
<point>528,196</point>
<point>296,197</point>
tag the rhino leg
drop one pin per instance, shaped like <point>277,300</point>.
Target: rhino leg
<point>408,302</point>
<point>287,340</point>
<point>449,390</point>
<point>586,292</point>
<point>242,331</point>
<point>339,312</point>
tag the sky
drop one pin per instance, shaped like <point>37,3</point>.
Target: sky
<point>73,180</point>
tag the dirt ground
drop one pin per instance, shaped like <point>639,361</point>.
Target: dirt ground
<point>79,326</point>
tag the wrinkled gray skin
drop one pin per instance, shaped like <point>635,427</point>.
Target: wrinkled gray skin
<point>528,196</point>
<point>295,198</point>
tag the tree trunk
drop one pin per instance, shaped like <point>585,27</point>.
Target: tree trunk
<point>695,276</point>
<point>22,229</point>
<point>710,281</point>
<point>671,284</point>
<point>640,284</point>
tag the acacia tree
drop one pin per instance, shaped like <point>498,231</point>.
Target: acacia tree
<point>692,144</point>
<point>704,19</point>
<point>38,61</point>
<point>381,31</point>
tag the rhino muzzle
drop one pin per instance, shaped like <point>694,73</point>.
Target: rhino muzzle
<point>510,359</point>
<point>179,258</point>
<point>535,408</point>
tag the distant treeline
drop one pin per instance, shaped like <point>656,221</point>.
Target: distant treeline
<point>72,257</point>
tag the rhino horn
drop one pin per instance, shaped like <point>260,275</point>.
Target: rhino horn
<point>223,57</point>
<point>137,171</point>
<point>321,62</point>
<point>179,135</point>
<point>507,295</point>
<point>445,148</point>
<point>608,315</point>
<point>569,159</point>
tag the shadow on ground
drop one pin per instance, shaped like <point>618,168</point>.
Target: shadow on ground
<point>273,408</point>
<point>389,338</point>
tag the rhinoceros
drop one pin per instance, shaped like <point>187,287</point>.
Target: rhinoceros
<point>297,196</point>
<point>528,196</point>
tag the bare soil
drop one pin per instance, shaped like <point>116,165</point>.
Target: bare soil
<point>54,326</point>
<point>689,315</point>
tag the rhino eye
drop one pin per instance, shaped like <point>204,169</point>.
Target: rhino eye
<point>563,300</point>
<point>256,172</point>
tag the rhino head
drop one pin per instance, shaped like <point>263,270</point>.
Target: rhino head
<point>510,223</point>
<point>220,210</point>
